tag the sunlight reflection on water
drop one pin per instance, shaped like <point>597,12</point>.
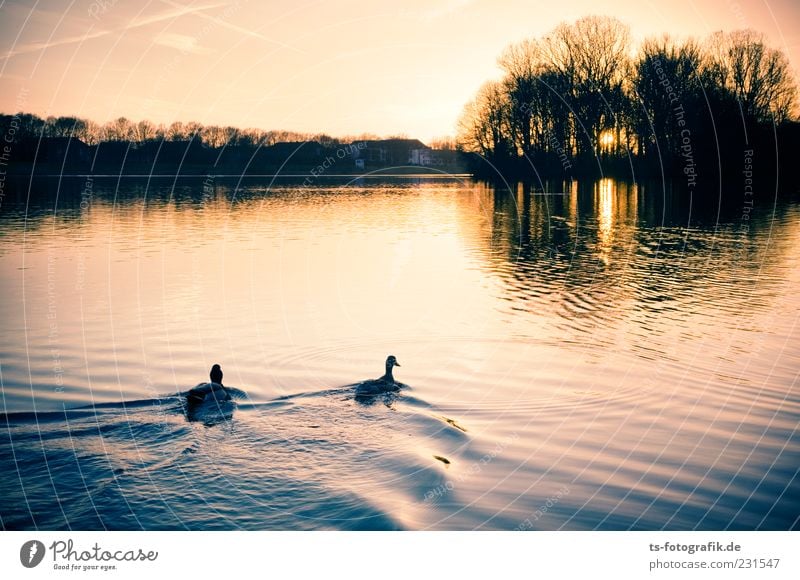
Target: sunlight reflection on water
<point>603,344</point>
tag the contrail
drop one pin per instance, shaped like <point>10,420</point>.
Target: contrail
<point>239,29</point>
<point>136,23</point>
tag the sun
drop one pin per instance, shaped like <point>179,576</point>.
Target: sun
<point>607,138</point>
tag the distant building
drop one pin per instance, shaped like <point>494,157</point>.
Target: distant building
<point>388,152</point>
<point>373,153</point>
<point>423,157</point>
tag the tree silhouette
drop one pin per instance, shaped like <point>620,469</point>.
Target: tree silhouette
<point>580,94</point>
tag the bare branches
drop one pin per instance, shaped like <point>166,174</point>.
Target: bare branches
<point>757,76</point>
<point>484,125</point>
<point>580,91</point>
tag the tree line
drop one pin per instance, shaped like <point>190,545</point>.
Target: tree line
<point>72,145</point>
<point>27,126</point>
<point>119,142</point>
<point>580,100</point>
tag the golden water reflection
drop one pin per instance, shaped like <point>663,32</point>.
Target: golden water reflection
<point>559,323</point>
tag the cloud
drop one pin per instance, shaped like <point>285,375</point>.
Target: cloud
<point>176,12</point>
<point>180,42</point>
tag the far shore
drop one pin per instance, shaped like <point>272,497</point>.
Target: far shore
<point>48,170</point>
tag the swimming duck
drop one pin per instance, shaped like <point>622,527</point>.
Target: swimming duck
<point>208,391</point>
<point>384,384</point>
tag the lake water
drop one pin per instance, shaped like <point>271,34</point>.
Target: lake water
<point>603,356</point>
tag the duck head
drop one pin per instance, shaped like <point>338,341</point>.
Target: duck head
<point>390,363</point>
<point>216,374</point>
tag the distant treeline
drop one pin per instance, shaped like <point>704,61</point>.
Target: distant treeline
<point>74,145</point>
<point>580,102</point>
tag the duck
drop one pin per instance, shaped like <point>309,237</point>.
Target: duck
<point>213,390</point>
<point>385,384</point>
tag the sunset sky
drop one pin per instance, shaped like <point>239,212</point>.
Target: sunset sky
<point>345,68</point>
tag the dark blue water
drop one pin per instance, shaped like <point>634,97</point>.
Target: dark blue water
<point>611,357</point>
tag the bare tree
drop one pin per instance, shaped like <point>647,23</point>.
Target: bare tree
<point>119,129</point>
<point>193,130</point>
<point>666,77</point>
<point>65,127</point>
<point>92,134</point>
<point>759,77</point>
<point>590,58</point>
<point>523,64</point>
<point>445,143</point>
<point>230,136</point>
<point>212,135</point>
<point>176,132</point>
<point>143,131</point>
<point>484,125</point>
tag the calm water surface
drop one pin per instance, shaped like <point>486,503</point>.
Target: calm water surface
<point>613,356</point>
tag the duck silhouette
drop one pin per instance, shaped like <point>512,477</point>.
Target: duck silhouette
<point>209,391</point>
<point>385,384</point>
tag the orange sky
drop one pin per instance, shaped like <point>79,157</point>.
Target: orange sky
<point>384,67</point>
